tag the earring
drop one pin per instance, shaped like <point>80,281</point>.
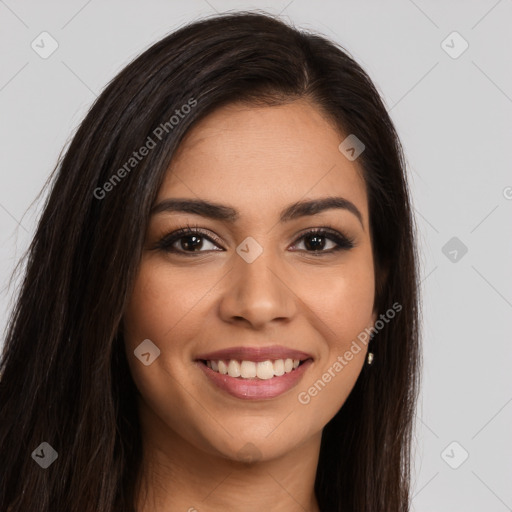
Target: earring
<point>370,358</point>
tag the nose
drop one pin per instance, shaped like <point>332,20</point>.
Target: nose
<point>258,293</point>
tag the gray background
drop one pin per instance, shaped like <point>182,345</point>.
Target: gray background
<point>454,118</point>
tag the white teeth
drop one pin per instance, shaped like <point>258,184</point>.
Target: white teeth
<point>265,370</point>
<point>234,369</point>
<point>222,367</point>
<point>279,367</point>
<point>249,369</point>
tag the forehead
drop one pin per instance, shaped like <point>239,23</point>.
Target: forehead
<point>262,157</point>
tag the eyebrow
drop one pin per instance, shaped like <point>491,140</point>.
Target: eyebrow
<point>226,213</point>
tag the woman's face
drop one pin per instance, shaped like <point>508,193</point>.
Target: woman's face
<point>251,285</point>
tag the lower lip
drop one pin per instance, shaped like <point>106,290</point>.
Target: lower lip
<point>256,389</point>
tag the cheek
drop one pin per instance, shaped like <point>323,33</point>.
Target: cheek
<point>154,311</point>
<point>341,302</point>
<point>346,312</point>
<point>161,299</point>
<point>354,295</point>
<point>161,309</point>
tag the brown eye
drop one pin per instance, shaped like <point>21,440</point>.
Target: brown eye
<point>186,240</point>
<point>315,241</point>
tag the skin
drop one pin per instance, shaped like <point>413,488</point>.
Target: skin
<point>258,161</point>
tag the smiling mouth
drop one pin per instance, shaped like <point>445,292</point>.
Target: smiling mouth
<point>256,370</point>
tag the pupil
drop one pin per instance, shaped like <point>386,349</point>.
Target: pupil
<point>316,244</point>
<point>197,243</point>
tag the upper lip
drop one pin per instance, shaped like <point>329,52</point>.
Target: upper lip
<point>255,354</point>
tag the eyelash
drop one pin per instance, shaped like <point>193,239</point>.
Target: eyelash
<point>342,241</point>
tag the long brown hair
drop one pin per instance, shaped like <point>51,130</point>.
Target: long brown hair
<point>64,374</point>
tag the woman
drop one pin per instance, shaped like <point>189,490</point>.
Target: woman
<point>220,305</point>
